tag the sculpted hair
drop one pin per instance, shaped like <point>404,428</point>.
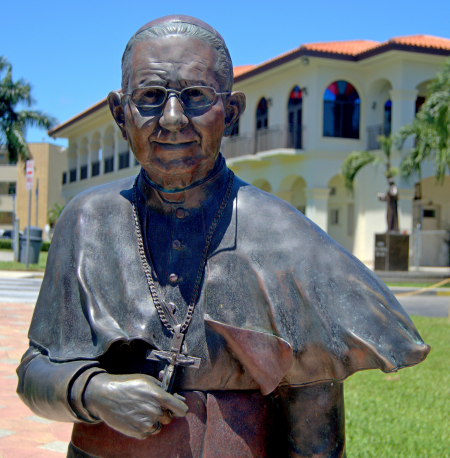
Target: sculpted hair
<point>223,67</point>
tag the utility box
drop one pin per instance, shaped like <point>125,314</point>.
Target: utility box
<point>391,251</point>
<point>35,245</point>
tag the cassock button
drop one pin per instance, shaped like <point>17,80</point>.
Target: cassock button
<point>173,278</point>
<point>179,213</point>
<point>176,244</point>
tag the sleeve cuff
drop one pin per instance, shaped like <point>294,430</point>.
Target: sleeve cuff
<point>76,395</point>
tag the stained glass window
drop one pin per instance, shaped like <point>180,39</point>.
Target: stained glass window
<point>296,96</point>
<point>341,110</point>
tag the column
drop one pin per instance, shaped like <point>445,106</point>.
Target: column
<point>116,146</point>
<point>403,110</point>
<point>89,165</point>
<point>78,173</point>
<point>317,206</point>
<point>405,209</point>
<point>93,155</point>
<point>132,159</point>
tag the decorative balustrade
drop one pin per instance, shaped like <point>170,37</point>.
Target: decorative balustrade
<point>274,137</point>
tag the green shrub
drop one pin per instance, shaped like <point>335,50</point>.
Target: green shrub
<point>5,244</point>
<point>45,246</point>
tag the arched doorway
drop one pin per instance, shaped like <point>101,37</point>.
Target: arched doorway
<point>295,118</point>
<point>262,184</point>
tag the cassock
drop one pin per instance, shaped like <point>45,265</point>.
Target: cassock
<point>283,315</point>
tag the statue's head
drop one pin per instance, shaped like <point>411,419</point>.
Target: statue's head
<point>176,102</point>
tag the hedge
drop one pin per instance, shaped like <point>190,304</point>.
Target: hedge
<point>6,244</point>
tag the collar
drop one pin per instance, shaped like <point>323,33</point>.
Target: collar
<point>209,189</point>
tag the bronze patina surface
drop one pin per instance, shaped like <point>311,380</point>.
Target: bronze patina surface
<point>185,313</point>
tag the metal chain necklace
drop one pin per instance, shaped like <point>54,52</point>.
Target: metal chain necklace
<point>174,358</point>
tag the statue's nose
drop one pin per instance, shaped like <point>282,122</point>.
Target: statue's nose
<point>173,117</point>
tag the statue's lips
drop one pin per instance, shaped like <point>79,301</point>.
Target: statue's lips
<point>175,146</point>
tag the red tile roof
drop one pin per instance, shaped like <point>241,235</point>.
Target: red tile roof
<point>348,50</point>
<point>423,41</point>
<point>351,47</point>
<point>239,69</point>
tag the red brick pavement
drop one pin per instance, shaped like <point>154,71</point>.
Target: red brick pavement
<point>22,434</point>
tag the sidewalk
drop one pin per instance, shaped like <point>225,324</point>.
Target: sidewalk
<point>23,434</point>
<point>20,274</point>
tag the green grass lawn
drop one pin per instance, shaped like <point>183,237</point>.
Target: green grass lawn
<point>404,414</point>
<point>12,265</point>
<point>415,285</point>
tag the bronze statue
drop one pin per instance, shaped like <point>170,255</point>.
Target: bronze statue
<point>391,199</point>
<point>185,313</point>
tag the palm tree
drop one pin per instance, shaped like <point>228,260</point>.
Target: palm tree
<point>54,213</point>
<point>355,161</point>
<point>430,130</point>
<point>13,123</point>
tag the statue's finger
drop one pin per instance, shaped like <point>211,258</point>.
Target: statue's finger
<point>177,407</point>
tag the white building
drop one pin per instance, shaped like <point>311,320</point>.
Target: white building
<point>307,110</point>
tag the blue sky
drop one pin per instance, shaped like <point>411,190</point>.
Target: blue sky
<point>71,51</point>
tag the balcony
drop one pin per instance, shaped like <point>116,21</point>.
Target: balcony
<point>8,173</point>
<point>6,203</point>
<point>373,132</point>
<point>274,137</point>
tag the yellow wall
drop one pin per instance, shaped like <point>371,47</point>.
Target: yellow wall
<point>49,164</point>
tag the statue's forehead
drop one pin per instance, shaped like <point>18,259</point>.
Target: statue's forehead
<point>181,18</point>
<point>173,56</point>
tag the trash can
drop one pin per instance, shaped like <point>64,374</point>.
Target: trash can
<point>35,245</point>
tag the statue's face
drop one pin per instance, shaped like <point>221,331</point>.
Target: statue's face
<point>176,147</point>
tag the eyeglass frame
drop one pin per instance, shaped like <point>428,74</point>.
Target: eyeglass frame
<point>178,96</point>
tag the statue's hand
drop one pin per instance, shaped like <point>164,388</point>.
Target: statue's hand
<point>131,404</point>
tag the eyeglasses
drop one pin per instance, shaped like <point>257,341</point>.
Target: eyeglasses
<point>191,98</point>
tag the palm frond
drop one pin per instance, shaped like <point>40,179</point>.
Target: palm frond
<point>13,123</point>
<point>353,163</point>
<point>35,118</point>
<point>430,129</point>
<point>16,144</point>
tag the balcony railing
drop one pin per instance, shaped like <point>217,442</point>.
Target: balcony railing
<point>83,172</point>
<point>109,164</point>
<point>281,136</point>
<point>95,169</point>
<point>124,160</point>
<point>373,132</point>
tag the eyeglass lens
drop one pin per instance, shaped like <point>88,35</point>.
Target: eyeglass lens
<point>192,97</point>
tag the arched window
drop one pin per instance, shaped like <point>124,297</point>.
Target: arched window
<point>262,114</point>
<point>387,118</point>
<point>341,110</point>
<point>295,118</point>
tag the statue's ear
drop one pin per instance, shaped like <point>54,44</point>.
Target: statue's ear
<point>115,105</point>
<point>234,107</point>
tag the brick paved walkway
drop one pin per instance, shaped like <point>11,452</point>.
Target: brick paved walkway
<point>22,434</point>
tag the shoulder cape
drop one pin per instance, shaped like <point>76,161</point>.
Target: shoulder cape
<point>293,305</point>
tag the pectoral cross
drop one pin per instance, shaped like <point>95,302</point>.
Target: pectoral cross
<point>173,358</point>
